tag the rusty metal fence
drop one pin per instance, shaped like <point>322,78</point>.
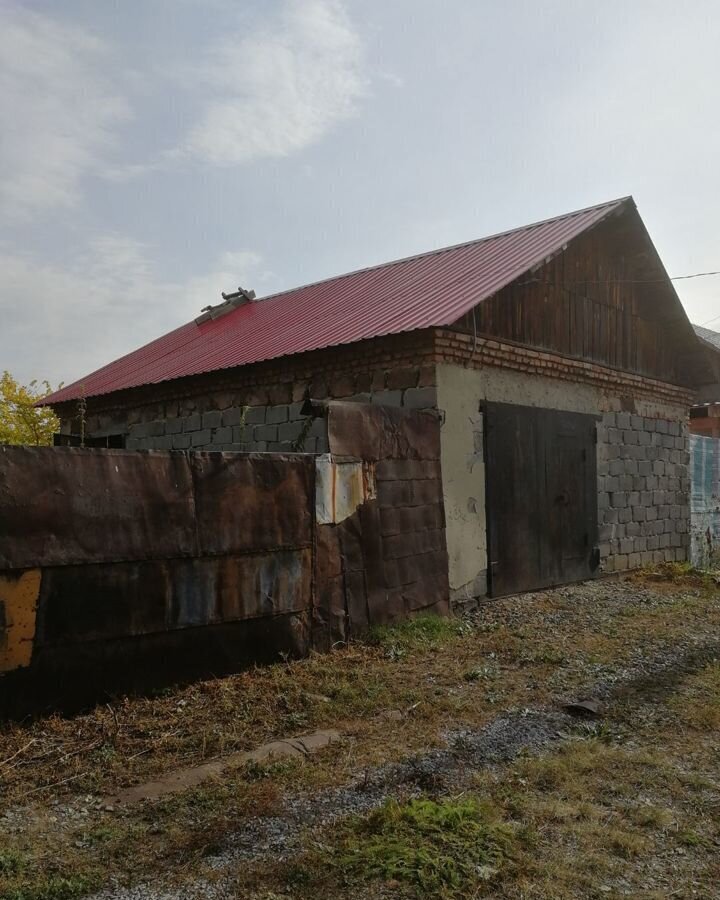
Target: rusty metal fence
<point>123,569</point>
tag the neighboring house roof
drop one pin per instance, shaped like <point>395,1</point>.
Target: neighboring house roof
<point>710,337</point>
<point>428,290</point>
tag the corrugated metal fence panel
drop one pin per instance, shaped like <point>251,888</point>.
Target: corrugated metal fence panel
<point>705,501</point>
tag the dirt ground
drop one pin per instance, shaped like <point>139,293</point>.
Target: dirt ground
<point>461,771</point>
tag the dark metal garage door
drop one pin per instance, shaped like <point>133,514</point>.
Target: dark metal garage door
<point>541,497</point>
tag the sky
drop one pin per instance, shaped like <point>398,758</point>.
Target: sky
<point>154,153</point>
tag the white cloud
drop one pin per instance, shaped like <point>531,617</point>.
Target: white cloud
<point>62,322</point>
<point>56,109</point>
<point>280,89</point>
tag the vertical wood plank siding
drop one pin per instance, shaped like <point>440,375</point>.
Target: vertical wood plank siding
<point>589,302</point>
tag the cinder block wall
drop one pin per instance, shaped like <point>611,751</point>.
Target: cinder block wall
<point>280,428</point>
<point>258,408</point>
<point>643,490</point>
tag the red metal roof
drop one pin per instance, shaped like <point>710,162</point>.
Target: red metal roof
<point>431,289</point>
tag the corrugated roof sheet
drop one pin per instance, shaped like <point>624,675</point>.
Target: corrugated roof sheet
<point>711,337</point>
<point>431,289</point>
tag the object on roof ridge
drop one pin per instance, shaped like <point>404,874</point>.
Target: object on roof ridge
<point>230,302</point>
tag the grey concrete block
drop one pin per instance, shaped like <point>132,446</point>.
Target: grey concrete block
<point>639,513</point>
<point>387,398</point>
<point>212,419</point>
<point>295,411</point>
<point>634,561</point>
<point>234,416</point>
<point>265,433</point>
<point>242,434</point>
<point>621,562</point>
<point>141,430</point>
<point>173,426</point>
<point>132,443</point>
<point>181,441</point>
<point>632,529</point>
<point>616,466</point>
<point>276,415</point>
<point>626,482</point>
<point>192,422</point>
<point>624,514</point>
<point>662,426</point>
<point>256,415</point>
<point>614,436</point>
<point>644,439</point>
<point>630,436</point>
<point>420,398</point>
<point>618,499</point>
<point>318,430</point>
<point>201,438</point>
<point>636,422</point>
<point>223,435</point>
<point>289,431</point>
<point>623,420</point>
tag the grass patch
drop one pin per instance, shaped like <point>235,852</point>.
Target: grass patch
<point>679,574</point>
<point>422,632</point>
<point>435,849</point>
<point>12,862</point>
<point>54,888</point>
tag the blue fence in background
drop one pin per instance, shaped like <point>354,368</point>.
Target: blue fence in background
<point>705,501</point>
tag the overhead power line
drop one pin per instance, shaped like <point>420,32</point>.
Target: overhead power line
<point>628,280</point>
